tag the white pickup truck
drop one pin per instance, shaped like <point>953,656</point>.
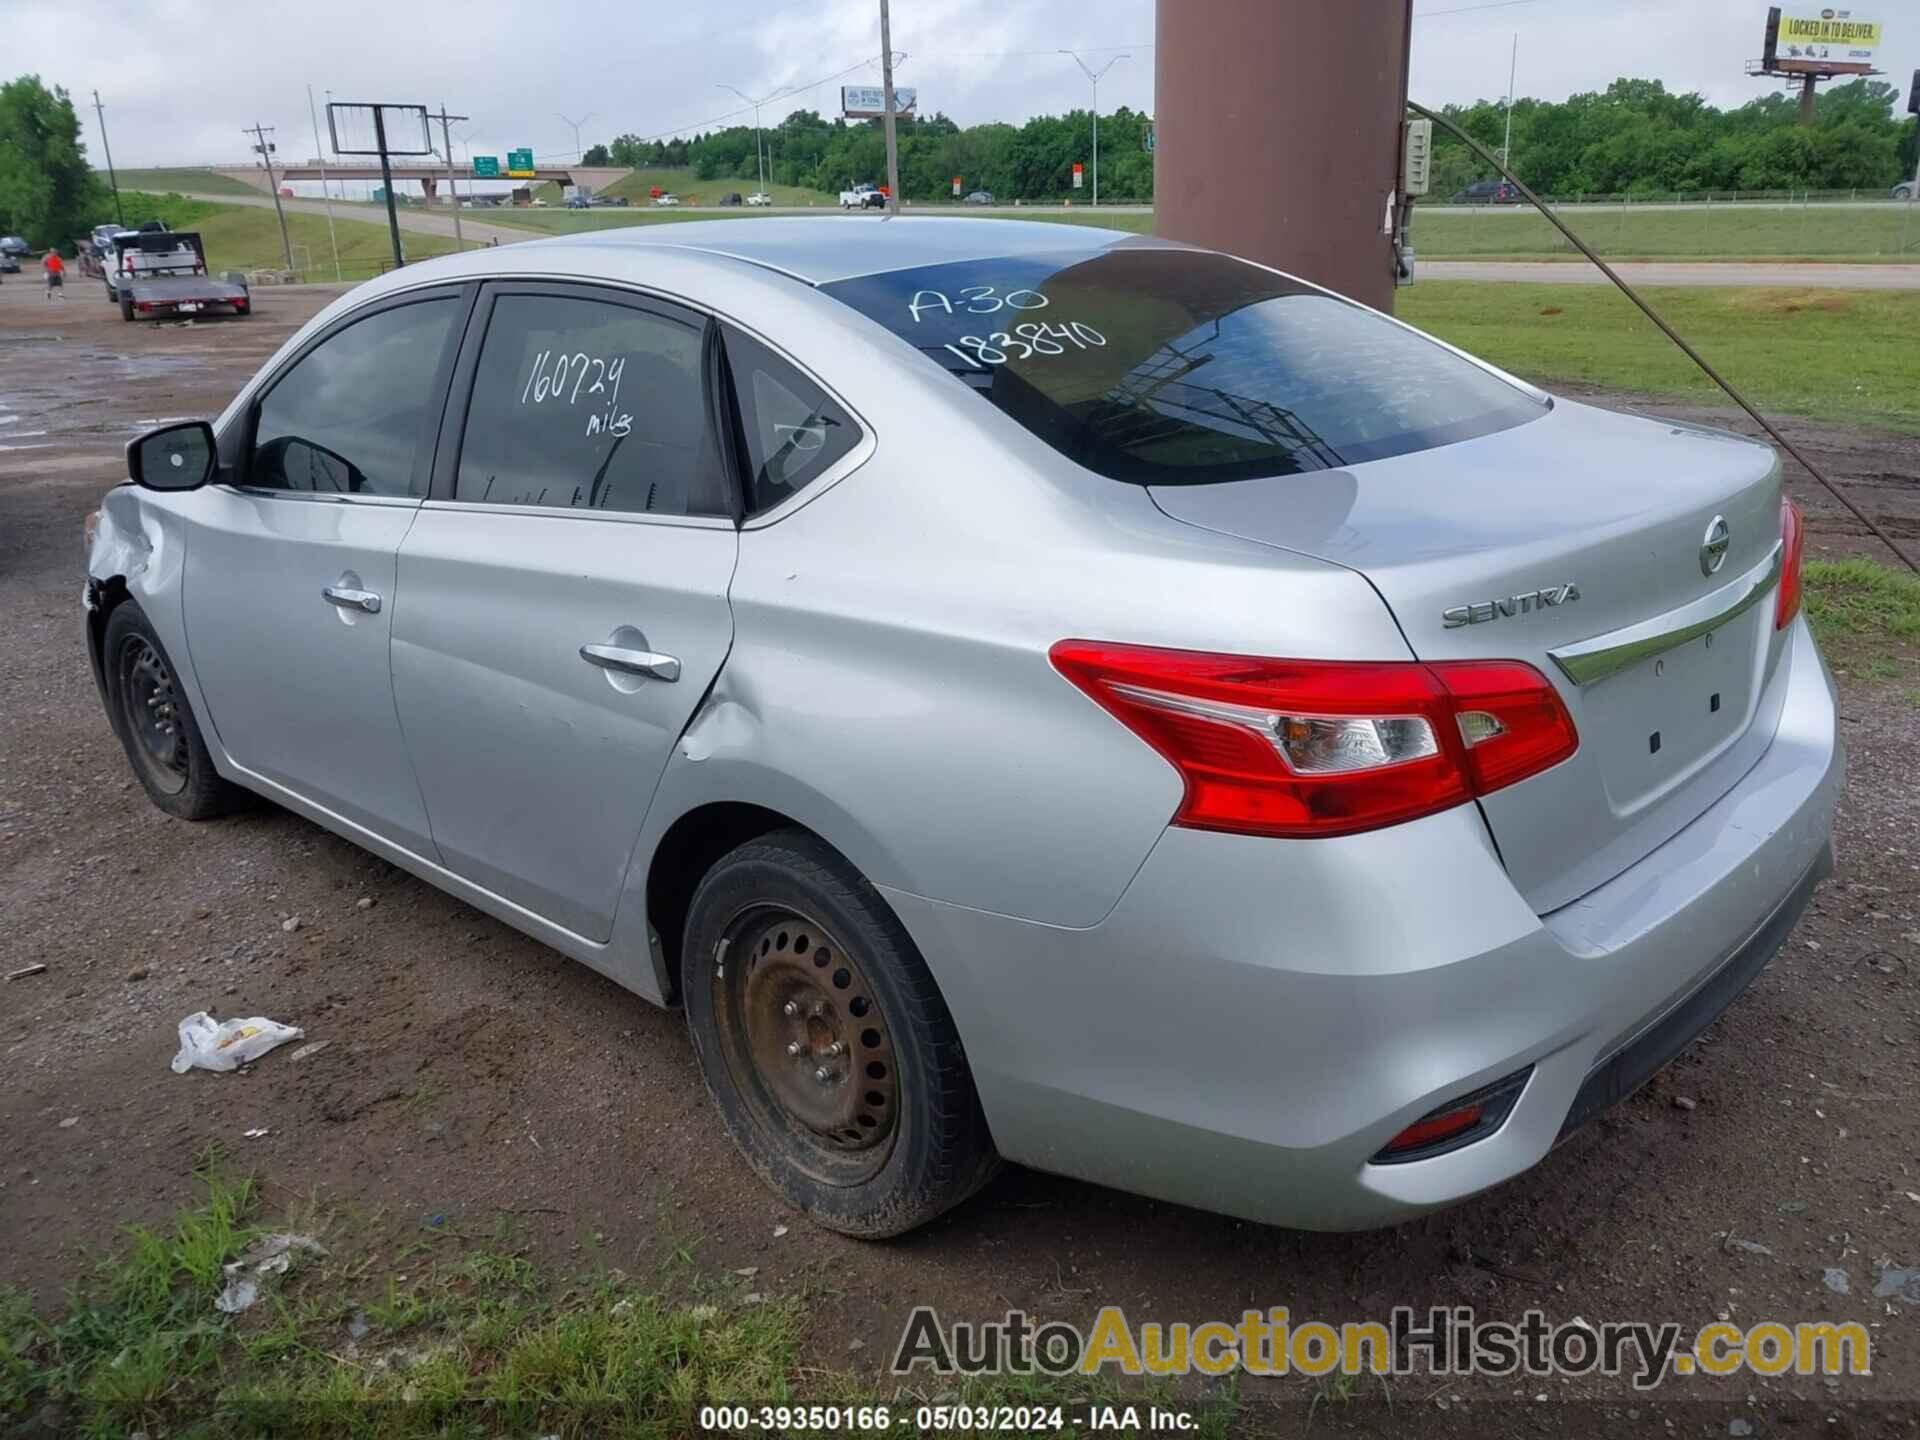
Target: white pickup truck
<point>863,197</point>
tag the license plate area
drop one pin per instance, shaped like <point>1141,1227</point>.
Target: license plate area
<point>1660,720</point>
<point>188,305</point>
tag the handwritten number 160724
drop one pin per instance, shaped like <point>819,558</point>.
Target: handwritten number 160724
<point>567,378</point>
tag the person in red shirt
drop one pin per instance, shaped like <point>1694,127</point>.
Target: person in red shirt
<point>56,269</point>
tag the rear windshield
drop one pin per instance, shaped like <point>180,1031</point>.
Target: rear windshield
<point>1163,366</point>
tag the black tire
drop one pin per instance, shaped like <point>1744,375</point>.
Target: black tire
<point>156,725</point>
<point>126,307</point>
<point>772,918</point>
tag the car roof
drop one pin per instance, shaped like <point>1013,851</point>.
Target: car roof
<point>820,250</point>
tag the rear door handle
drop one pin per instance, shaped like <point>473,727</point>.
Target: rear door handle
<point>632,662</point>
<point>348,599</point>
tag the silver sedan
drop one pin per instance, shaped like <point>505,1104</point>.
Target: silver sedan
<point>1025,690</point>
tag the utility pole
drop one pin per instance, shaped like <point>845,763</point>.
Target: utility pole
<point>886,81</point>
<point>578,154</point>
<point>265,147</point>
<point>326,193</point>
<point>759,154</point>
<point>112,179</point>
<point>1094,76</point>
<point>453,191</point>
<point>1513,68</point>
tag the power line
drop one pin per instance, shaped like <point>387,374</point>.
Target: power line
<point>748,110</point>
<point>1469,9</point>
<point>1012,54</point>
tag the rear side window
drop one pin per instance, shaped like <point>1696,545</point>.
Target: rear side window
<point>351,416</point>
<point>591,405</point>
<point>794,432</point>
<point>1164,366</point>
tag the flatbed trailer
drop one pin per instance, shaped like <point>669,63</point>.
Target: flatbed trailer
<point>159,274</point>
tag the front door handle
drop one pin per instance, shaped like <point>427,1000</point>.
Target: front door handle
<point>348,599</point>
<point>632,662</point>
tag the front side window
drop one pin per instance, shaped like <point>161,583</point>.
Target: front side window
<point>794,432</point>
<point>591,405</point>
<point>1164,366</point>
<point>352,415</point>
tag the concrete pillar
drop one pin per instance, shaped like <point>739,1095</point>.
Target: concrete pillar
<point>1277,133</point>
<point>428,186</point>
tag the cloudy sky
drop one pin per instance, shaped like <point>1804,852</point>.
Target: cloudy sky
<point>181,77</point>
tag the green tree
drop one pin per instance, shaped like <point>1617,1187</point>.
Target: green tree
<point>596,155</point>
<point>48,193</point>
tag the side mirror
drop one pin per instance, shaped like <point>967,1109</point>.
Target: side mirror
<point>174,457</point>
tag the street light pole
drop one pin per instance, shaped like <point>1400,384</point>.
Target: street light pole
<point>1513,67</point>
<point>326,191</point>
<point>578,154</point>
<point>760,167</point>
<point>1094,77</point>
<point>453,190</point>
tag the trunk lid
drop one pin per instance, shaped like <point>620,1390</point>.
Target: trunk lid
<point>1584,528</point>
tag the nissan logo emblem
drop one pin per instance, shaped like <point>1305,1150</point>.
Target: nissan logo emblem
<point>1713,549</point>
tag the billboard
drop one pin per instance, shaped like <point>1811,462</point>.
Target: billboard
<point>1827,34</point>
<point>869,102</point>
<point>358,127</point>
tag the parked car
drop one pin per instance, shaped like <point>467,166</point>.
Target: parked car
<point>980,197</point>
<point>579,202</point>
<point>666,198</point>
<point>9,263</point>
<point>759,197</point>
<point>863,197</point>
<point>1487,192</point>
<point>15,246</point>
<point>732,197</point>
<point>1903,191</point>
<point>1380,767</point>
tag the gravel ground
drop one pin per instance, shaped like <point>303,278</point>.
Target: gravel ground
<point>469,1072</point>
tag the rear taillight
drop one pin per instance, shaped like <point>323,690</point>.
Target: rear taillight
<point>1793,531</point>
<point>1316,747</point>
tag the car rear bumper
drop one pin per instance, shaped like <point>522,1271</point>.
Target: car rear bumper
<point>1257,1018</point>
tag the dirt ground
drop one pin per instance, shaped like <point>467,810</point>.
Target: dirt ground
<point>476,1075</point>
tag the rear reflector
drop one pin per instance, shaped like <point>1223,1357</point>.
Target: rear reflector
<point>1793,532</point>
<point>1456,1123</point>
<point>1316,747</point>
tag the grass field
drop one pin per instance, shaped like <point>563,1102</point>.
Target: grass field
<point>1716,233</point>
<point>1835,354</point>
<point>564,222</point>
<point>247,237</point>
<point>184,180</point>
<point>685,183</point>
<point>1868,619</point>
<point>1701,232</point>
<point>445,1330</point>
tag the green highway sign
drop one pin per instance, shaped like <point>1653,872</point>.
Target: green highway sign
<point>486,167</point>
<point>520,164</point>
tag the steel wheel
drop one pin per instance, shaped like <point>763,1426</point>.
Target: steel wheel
<point>806,1042</point>
<point>150,714</point>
